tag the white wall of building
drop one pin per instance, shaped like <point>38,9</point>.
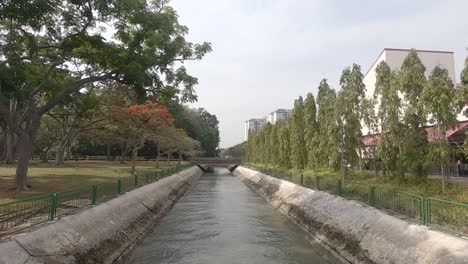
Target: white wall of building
<point>395,57</point>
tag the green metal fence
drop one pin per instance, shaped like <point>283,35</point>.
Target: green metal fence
<point>447,215</point>
<point>356,191</point>
<point>19,215</point>
<point>406,204</point>
<point>27,212</point>
<point>442,214</point>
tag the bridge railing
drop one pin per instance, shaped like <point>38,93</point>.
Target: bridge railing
<point>444,215</point>
<point>215,161</point>
<point>19,215</point>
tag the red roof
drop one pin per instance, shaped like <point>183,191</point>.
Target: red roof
<point>432,131</point>
<point>372,140</point>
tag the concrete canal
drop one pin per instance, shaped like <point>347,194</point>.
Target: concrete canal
<point>223,221</point>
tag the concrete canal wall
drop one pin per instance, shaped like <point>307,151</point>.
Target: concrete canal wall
<point>101,234</point>
<point>359,233</point>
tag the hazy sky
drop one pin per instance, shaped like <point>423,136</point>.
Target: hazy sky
<point>268,52</point>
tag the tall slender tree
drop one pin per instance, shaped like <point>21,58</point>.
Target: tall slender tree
<point>349,113</point>
<point>438,100</point>
<point>328,128</point>
<point>311,131</point>
<point>389,116</point>
<point>369,119</point>
<point>464,80</point>
<point>416,146</point>
<point>284,144</point>
<point>298,147</point>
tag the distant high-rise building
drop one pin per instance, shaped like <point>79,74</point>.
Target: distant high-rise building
<point>279,115</point>
<point>253,125</point>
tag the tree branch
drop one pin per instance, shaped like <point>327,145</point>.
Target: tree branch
<point>73,88</point>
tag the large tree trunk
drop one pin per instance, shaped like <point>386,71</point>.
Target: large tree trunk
<point>10,147</point>
<point>180,157</point>
<point>169,154</point>
<point>123,152</point>
<point>157,160</point>
<point>10,135</point>
<point>26,138</point>
<point>134,158</point>
<point>59,157</point>
<point>45,155</point>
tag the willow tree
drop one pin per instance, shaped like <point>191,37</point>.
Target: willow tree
<point>349,112</point>
<point>416,145</point>
<point>298,147</point>
<point>328,129</point>
<point>311,130</point>
<point>50,49</point>
<point>389,148</point>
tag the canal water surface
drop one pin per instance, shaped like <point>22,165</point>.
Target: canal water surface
<point>223,221</point>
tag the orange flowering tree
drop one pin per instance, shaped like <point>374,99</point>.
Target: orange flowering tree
<point>137,124</point>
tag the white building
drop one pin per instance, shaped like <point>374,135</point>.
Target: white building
<point>279,115</point>
<point>395,57</point>
<point>253,126</point>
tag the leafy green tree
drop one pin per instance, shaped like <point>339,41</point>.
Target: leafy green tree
<point>438,102</point>
<point>464,80</point>
<point>50,49</point>
<point>199,125</point>
<point>311,131</point>
<point>284,144</point>
<point>47,138</point>
<point>297,125</point>
<point>464,74</point>
<point>78,114</point>
<point>389,117</point>
<point>369,119</point>
<point>349,115</point>
<point>237,151</point>
<point>274,146</point>
<point>265,139</point>
<point>416,146</point>
<point>328,127</point>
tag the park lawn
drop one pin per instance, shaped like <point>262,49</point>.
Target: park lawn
<point>430,188</point>
<point>46,178</point>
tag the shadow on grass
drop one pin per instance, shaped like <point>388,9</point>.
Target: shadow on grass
<point>47,178</point>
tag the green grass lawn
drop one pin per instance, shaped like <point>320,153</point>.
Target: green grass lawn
<point>430,188</point>
<point>46,178</point>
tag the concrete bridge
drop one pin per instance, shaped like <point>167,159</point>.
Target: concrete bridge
<point>206,164</point>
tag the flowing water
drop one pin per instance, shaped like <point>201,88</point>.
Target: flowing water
<point>222,221</point>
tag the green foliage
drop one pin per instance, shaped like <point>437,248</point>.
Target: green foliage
<point>284,144</point>
<point>331,128</point>
<point>349,113</point>
<point>237,151</point>
<point>390,145</point>
<point>199,125</point>
<point>415,146</point>
<point>464,74</point>
<point>438,101</point>
<point>298,146</point>
<point>311,131</point>
<point>328,128</point>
